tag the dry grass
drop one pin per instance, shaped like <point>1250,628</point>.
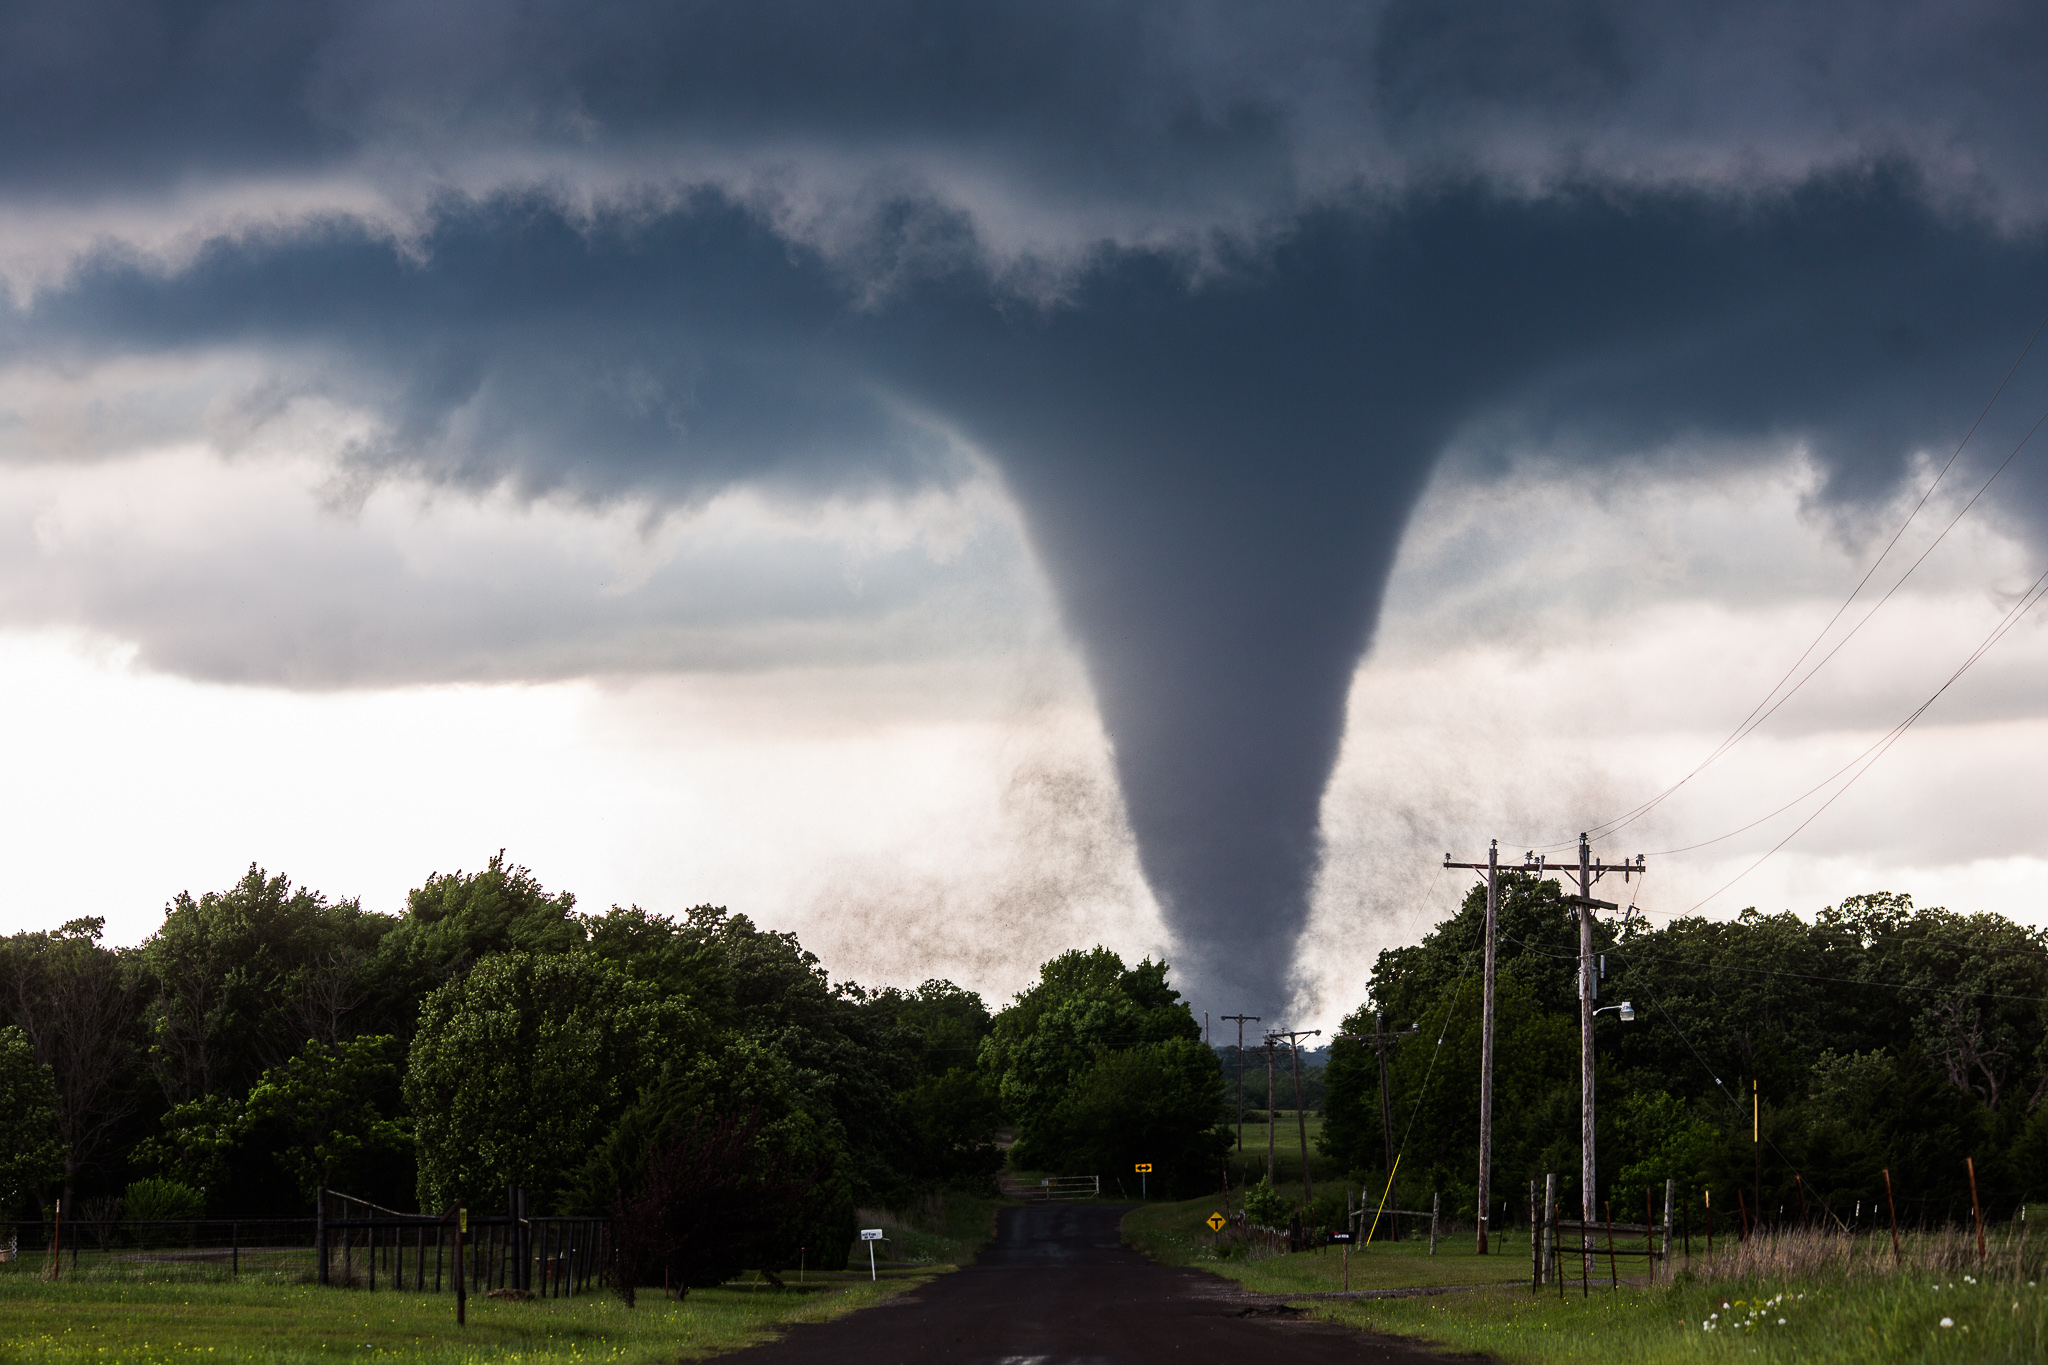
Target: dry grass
<point>2008,1255</point>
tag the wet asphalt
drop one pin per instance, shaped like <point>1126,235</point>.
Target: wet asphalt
<point>1059,1287</point>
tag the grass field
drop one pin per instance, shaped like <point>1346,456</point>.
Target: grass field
<point>1177,1235</point>
<point>65,1323</point>
<point>121,1312</point>
<point>1798,1304</point>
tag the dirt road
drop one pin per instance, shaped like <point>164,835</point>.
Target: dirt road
<point>1059,1287</point>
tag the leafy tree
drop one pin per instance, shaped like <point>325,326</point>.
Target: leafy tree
<point>455,920</point>
<point>1083,1003</point>
<point>199,1144</point>
<point>1156,1102</point>
<point>72,999</point>
<point>325,1107</point>
<point>706,1195</point>
<point>520,1066</point>
<point>951,1124</point>
<point>766,987</point>
<point>731,1161</point>
<point>235,980</point>
<point>31,1151</point>
<point>1434,1085</point>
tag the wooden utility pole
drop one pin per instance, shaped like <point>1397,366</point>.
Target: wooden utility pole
<point>1589,987</point>
<point>1590,871</point>
<point>1241,1020</point>
<point>1486,1039</point>
<point>1294,1037</point>
<point>1379,1038</point>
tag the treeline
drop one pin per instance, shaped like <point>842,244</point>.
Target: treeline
<point>1878,1038</point>
<point>266,1042</point>
<point>1282,1095</point>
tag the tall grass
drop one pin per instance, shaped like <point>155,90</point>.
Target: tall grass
<point>2009,1256</point>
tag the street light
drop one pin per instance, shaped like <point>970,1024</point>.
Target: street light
<point>1625,1009</point>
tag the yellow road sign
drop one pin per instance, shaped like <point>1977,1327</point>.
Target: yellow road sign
<point>1144,1168</point>
<point>1216,1221</point>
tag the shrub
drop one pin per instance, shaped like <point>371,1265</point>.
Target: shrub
<point>1265,1206</point>
<point>166,1200</point>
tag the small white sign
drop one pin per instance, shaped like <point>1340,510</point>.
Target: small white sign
<point>871,1234</point>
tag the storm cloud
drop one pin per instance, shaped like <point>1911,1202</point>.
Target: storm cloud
<point>1212,291</point>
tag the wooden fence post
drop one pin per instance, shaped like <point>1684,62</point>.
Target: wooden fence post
<point>1436,1202</point>
<point>1970,1164</point>
<point>320,1233</point>
<point>1549,1224</point>
<point>1670,1191</point>
<point>1893,1209</point>
<point>1535,1241</point>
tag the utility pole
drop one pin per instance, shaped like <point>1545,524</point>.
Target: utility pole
<point>1486,1039</point>
<point>1294,1037</point>
<point>1379,1038</point>
<point>1584,904</point>
<point>1241,1020</point>
<point>1589,987</point>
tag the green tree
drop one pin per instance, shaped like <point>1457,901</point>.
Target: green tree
<point>520,1066</point>
<point>236,980</point>
<point>31,1151</point>
<point>325,1111</point>
<point>733,1160</point>
<point>198,1145</point>
<point>456,919</point>
<point>73,1000</point>
<point>1160,1103</point>
<point>1082,1004</point>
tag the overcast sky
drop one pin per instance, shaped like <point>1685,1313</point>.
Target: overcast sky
<point>965,482</point>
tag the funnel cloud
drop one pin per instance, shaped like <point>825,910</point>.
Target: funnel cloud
<point>1212,294</point>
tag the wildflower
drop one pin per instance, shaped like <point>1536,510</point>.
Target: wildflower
<point>1948,1322</point>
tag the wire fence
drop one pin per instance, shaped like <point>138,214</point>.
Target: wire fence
<point>348,1243</point>
<point>206,1249</point>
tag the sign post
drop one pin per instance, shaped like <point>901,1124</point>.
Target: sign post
<point>1344,1240</point>
<point>871,1236</point>
<point>1144,1169</point>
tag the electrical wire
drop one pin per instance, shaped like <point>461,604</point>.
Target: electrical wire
<point>1709,964</point>
<point>1607,828</point>
<point>2027,602</point>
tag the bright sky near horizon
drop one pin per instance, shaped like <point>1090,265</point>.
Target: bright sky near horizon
<point>955,814</point>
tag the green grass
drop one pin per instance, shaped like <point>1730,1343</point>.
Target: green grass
<point>944,1229</point>
<point>1830,1314</point>
<point>1821,1320</point>
<point>1176,1234</point>
<point>88,1321</point>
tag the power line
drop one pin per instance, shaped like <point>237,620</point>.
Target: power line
<point>1607,828</point>
<point>1710,964</point>
<point>2026,604</point>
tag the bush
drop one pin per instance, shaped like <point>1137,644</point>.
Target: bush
<point>1265,1206</point>
<point>165,1200</point>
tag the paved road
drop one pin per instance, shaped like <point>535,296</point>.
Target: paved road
<point>1059,1287</point>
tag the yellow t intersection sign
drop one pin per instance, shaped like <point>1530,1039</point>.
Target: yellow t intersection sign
<point>1216,1221</point>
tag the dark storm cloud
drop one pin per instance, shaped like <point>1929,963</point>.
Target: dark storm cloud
<point>1325,244</point>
